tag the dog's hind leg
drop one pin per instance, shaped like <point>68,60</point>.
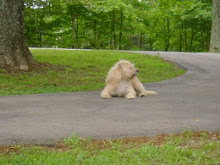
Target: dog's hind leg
<point>138,86</point>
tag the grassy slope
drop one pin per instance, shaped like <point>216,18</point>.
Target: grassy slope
<point>186,148</point>
<point>80,71</point>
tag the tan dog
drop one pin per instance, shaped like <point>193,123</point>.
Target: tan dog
<point>122,81</point>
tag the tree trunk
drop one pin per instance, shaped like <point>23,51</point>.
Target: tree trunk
<point>186,45</point>
<point>167,38</point>
<point>202,42</point>
<point>215,36</point>
<point>95,33</point>
<point>77,32</point>
<point>74,17</point>
<point>151,45</point>
<point>141,40</point>
<point>40,30</point>
<point>113,34</point>
<point>180,45</point>
<point>121,26</point>
<point>191,41</point>
<point>14,53</point>
<point>40,38</point>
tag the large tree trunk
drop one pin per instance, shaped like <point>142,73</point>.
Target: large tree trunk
<point>215,36</point>
<point>14,54</point>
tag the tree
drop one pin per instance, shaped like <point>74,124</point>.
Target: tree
<point>215,36</point>
<point>179,25</point>
<point>14,53</point>
<point>40,21</point>
<point>171,25</point>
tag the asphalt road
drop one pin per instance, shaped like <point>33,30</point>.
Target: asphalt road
<point>191,101</point>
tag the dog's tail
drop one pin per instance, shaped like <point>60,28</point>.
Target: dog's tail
<point>151,92</point>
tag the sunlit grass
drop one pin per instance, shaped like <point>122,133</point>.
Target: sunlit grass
<point>80,70</point>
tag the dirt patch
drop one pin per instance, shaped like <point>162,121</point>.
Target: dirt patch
<point>134,141</point>
<point>195,137</point>
<point>126,142</point>
<point>9,149</point>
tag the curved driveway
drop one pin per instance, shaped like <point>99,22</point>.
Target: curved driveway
<point>191,101</point>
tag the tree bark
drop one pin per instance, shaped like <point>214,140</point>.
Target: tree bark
<point>77,32</point>
<point>141,40</point>
<point>215,35</point>
<point>14,53</point>
<point>186,45</point>
<point>74,16</point>
<point>180,45</point>
<point>95,33</point>
<point>191,41</point>
<point>113,34</point>
<point>167,38</point>
<point>121,29</point>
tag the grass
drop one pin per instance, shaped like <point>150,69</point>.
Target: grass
<point>73,71</point>
<point>200,148</point>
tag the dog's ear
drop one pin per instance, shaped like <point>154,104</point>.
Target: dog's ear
<point>121,66</point>
<point>114,75</point>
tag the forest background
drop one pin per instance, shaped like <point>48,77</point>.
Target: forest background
<point>168,25</point>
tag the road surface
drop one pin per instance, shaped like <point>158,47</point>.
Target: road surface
<point>191,101</point>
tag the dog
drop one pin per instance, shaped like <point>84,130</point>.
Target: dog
<point>122,81</point>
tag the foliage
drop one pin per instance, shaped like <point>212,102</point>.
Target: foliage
<point>80,71</point>
<point>119,24</point>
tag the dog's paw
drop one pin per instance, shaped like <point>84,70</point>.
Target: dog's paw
<point>105,95</point>
<point>130,96</point>
<point>142,94</point>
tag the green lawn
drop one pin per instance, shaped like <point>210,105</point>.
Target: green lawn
<point>80,70</point>
<point>200,148</point>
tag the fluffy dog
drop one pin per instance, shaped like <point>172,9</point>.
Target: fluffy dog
<point>122,81</point>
